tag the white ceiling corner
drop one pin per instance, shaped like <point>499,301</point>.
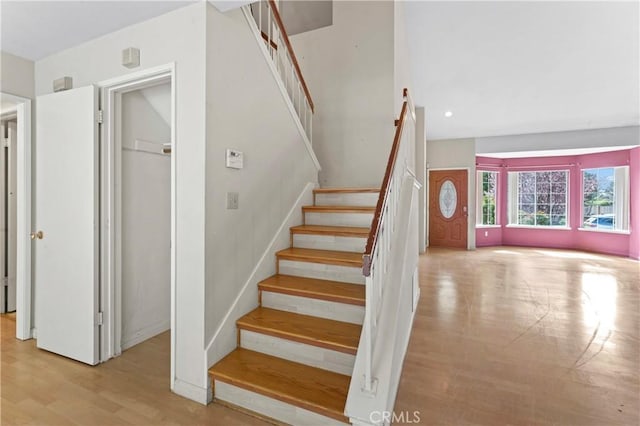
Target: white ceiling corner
<point>507,68</point>
<point>37,29</point>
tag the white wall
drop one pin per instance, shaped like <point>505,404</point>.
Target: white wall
<point>349,68</point>
<point>179,37</point>
<point>16,75</point>
<point>610,137</point>
<point>146,219</point>
<point>451,154</point>
<point>401,58</point>
<point>245,111</point>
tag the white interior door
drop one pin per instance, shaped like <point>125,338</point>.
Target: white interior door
<point>12,212</point>
<point>66,211</point>
<point>3,223</point>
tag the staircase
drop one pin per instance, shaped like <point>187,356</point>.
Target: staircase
<point>296,351</point>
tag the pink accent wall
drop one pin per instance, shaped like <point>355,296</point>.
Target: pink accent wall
<point>599,242</point>
<point>634,179</point>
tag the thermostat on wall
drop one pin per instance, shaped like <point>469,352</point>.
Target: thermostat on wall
<point>234,159</point>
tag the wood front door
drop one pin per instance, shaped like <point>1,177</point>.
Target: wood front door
<point>448,211</point>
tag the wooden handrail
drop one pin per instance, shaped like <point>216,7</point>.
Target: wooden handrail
<point>384,190</point>
<point>285,37</point>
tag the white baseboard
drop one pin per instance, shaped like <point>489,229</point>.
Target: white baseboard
<point>144,334</point>
<point>192,392</point>
<point>224,340</point>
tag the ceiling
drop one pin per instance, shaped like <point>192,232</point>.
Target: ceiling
<point>36,29</point>
<point>505,68</point>
<point>501,68</point>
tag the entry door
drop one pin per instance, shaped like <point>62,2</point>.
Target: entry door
<point>448,211</point>
<point>66,207</point>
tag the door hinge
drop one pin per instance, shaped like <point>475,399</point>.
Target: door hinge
<point>99,116</point>
<point>5,143</point>
<point>99,318</point>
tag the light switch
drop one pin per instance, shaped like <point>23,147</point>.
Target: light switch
<point>232,200</point>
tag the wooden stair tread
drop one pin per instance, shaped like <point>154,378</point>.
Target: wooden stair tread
<point>338,209</point>
<point>341,231</point>
<point>345,190</point>
<point>314,389</point>
<point>330,257</point>
<point>334,291</point>
<point>336,335</point>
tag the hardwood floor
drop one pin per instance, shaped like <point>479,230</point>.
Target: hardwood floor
<point>502,336</point>
<point>40,388</point>
<point>524,337</point>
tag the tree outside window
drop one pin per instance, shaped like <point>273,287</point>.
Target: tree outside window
<point>598,189</point>
<point>487,197</point>
<point>542,198</point>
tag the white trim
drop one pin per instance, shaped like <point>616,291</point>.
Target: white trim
<point>111,290</point>
<point>542,227</point>
<point>623,207</point>
<point>488,226</point>
<point>146,333</point>
<point>190,391</point>
<point>283,90</point>
<point>512,198</point>
<point>267,256</point>
<point>606,231</point>
<point>23,207</point>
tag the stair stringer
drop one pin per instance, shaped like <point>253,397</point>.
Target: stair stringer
<point>224,340</point>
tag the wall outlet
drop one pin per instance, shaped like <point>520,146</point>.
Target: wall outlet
<point>232,200</point>
<point>486,233</point>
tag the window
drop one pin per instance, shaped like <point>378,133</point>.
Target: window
<point>487,192</point>
<point>538,198</point>
<point>605,198</point>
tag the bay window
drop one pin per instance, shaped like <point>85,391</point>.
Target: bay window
<point>539,198</point>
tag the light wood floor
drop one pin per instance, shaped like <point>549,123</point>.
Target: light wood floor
<point>39,388</point>
<point>502,336</point>
<point>524,337</point>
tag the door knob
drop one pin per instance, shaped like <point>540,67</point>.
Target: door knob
<point>39,235</point>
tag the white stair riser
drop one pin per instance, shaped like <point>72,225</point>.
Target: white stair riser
<point>355,199</point>
<point>270,407</point>
<point>345,274</point>
<point>318,308</point>
<point>329,242</point>
<point>339,219</point>
<point>314,356</point>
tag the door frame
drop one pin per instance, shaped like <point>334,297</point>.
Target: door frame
<point>110,224</point>
<point>24,328</point>
<point>470,246</point>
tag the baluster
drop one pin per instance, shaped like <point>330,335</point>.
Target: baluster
<point>270,32</point>
<point>260,4</point>
<point>368,347</point>
<point>311,128</point>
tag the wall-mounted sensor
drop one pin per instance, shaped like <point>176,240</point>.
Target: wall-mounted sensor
<point>235,159</point>
<point>131,57</point>
<point>63,83</point>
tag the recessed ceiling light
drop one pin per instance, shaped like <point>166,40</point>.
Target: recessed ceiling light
<point>448,114</point>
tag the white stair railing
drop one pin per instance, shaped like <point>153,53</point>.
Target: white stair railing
<point>390,270</point>
<point>267,24</point>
